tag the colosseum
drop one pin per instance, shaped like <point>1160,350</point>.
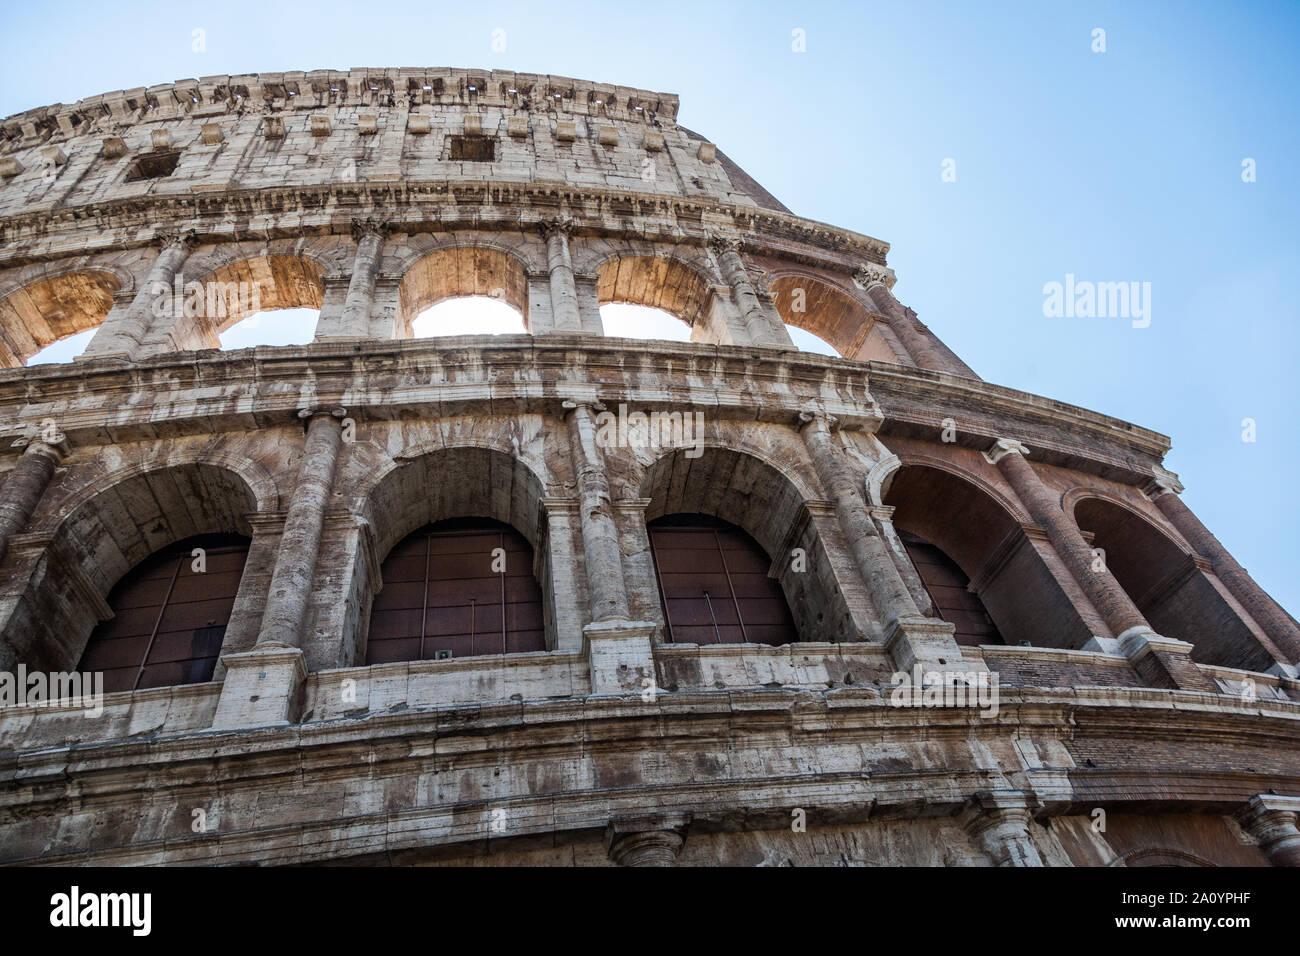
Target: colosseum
<point>742,604</point>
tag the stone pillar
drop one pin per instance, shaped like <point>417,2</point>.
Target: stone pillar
<point>262,686</point>
<point>1161,661</point>
<point>564,291</point>
<point>1271,820</point>
<point>921,345</point>
<point>600,546</point>
<point>646,841</point>
<point>122,336</point>
<point>333,299</point>
<point>26,483</point>
<point>1116,607</point>
<point>998,822</point>
<point>1281,630</point>
<point>354,322</point>
<point>883,515</point>
<point>911,638</point>
<point>618,649</point>
<point>763,326</point>
<point>561,566</point>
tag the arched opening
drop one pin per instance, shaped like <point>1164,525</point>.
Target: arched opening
<point>471,273</point>
<point>671,288</point>
<point>279,327</point>
<point>806,341</point>
<point>469,315</point>
<point>103,538</point>
<point>623,321</point>
<point>438,521</point>
<point>714,585</point>
<point>1174,594</point>
<point>831,315</point>
<point>753,497</point>
<point>980,569</point>
<point>51,310</point>
<point>64,350</point>
<point>264,300</point>
<point>457,588</point>
<point>170,614</point>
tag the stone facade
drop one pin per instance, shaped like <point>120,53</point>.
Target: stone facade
<point>1148,709</point>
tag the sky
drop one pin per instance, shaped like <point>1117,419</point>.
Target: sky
<point>993,145</point>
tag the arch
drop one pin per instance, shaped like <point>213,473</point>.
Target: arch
<point>1176,592</point>
<point>103,532</point>
<point>667,283</point>
<point>47,310</point>
<point>973,527</point>
<point>1160,856</point>
<point>265,283</point>
<point>458,271</point>
<point>833,314</point>
<point>451,482</point>
<point>768,504</point>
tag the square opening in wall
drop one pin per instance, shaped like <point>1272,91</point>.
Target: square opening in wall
<point>154,165</point>
<point>474,148</point>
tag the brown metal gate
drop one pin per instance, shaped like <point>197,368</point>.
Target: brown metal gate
<point>442,596</point>
<point>714,586</point>
<point>947,586</point>
<point>168,619</point>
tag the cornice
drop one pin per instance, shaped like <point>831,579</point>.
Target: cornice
<point>417,206</point>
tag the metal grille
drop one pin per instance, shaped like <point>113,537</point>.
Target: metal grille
<point>168,619</point>
<point>714,584</point>
<point>442,596</point>
<point>947,586</point>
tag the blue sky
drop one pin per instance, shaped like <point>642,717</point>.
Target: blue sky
<point>1117,166</point>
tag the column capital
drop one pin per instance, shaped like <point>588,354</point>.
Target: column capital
<point>646,841</point>
<point>363,227</point>
<point>1163,483</point>
<point>55,444</point>
<point>720,244</point>
<point>1271,819</point>
<point>1003,447</point>
<point>869,275</point>
<point>998,821</point>
<point>186,239</point>
<point>315,410</point>
<point>591,404</point>
<point>829,421</point>
<point>561,225</point>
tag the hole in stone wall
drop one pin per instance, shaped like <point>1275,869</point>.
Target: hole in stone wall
<point>155,165</point>
<point>473,148</point>
<point>468,315</point>
<point>272,327</point>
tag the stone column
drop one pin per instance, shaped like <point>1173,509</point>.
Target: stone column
<point>600,546</point>
<point>1116,607</point>
<point>910,637</point>
<point>123,336</point>
<point>1271,820</point>
<point>1282,631</point>
<point>26,483</point>
<point>884,518</point>
<point>762,326</point>
<point>262,685</point>
<point>619,650</point>
<point>355,320</point>
<point>564,290</point>
<point>646,841</point>
<point>1160,661</point>
<point>998,822</point>
<point>923,347</point>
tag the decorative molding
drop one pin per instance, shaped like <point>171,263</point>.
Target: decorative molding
<point>1003,447</point>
